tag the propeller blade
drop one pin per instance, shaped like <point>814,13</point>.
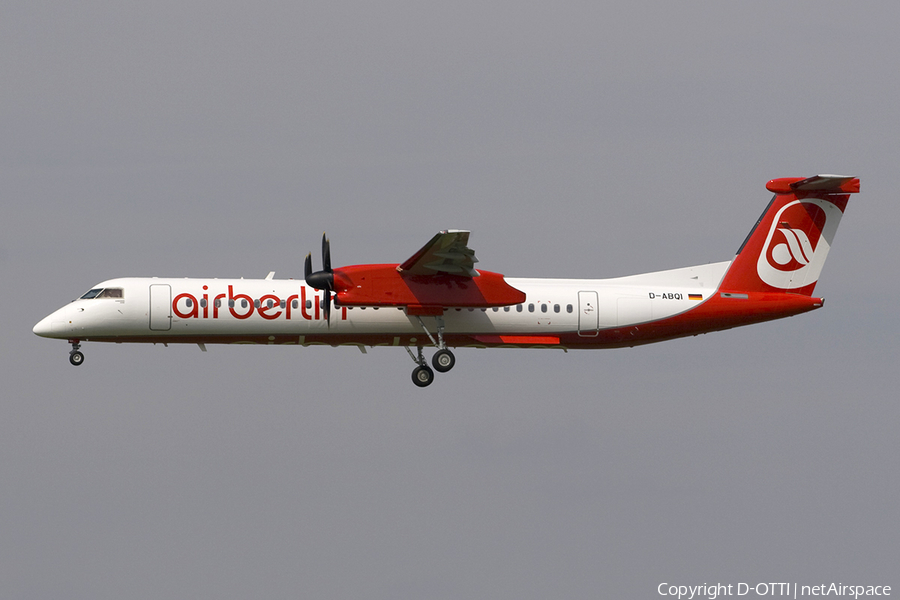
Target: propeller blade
<point>307,268</point>
<point>327,301</point>
<point>326,254</point>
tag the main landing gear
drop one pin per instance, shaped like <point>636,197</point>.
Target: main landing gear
<point>442,361</point>
<point>75,356</point>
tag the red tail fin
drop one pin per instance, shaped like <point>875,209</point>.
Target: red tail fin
<point>787,247</point>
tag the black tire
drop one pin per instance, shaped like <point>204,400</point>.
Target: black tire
<point>443,361</point>
<point>422,376</point>
<point>76,357</point>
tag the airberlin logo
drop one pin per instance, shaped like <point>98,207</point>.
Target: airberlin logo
<point>797,243</point>
<point>790,249</point>
<point>242,306</point>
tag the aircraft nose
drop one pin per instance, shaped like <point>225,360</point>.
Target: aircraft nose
<point>54,325</point>
<point>43,327</point>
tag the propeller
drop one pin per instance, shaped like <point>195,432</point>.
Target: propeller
<point>324,279</point>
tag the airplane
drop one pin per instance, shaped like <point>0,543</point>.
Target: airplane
<point>437,298</point>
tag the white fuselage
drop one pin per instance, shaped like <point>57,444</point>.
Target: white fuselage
<point>290,312</point>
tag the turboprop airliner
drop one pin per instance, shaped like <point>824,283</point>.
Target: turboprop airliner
<point>438,299</point>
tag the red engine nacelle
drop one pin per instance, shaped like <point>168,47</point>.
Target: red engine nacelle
<point>383,285</point>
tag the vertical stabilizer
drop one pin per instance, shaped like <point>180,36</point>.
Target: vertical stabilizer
<point>787,248</point>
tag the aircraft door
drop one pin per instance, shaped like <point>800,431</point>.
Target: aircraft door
<point>588,314</point>
<point>160,307</point>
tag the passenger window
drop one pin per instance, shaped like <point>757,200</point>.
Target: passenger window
<point>270,303</point>
<point>202,302</point>
<point>556,308</point>
<point>231,302</point>
<point>505,309</point>
<point>189,302</point>
<point>531,308</point>
<point>568,308</point>
<point>243,304</point>
<point>308,304</point>
<point>218,303</point>
<point>283,303</point>
<point>295,304</point>
<point>543,308</point>
<point>518,308</point>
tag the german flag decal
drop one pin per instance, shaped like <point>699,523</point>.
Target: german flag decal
<point>695,296</point>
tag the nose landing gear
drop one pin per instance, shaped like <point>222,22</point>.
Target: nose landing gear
<point>75,356</point>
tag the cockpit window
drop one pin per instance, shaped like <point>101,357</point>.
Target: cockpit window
<point>117,293</point>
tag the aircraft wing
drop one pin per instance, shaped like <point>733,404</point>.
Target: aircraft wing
<point>446,253</point>
<point>440,275</point>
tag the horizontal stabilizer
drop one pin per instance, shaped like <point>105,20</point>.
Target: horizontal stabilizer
<point>829,184</point>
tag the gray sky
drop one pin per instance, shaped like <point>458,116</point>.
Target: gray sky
<point>575,140</point>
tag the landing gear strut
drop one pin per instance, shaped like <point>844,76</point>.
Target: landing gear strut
<point>75,356</point>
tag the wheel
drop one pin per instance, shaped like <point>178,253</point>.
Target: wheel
<point>422,376</point>
<point>443,361</point>
<point>76,357</point>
